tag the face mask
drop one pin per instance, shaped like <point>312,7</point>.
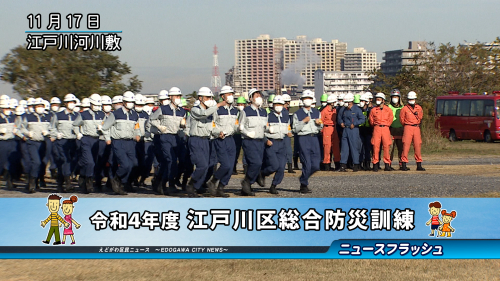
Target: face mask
<point>346,104</point>
<point>209,103</point>
<point>258,101</point>
<point>96,108</point>
<point>177,102</point>
<point>379,102</point>
<point>71,106</point>
<point>31,109</point>
<point>411,101</point>
<point>54,108</point>
<point>147,108</point>
<point>7,112</point>
<point>139,108</point>
<point>39,110</point>
<point>278,108</point>
<point>129,105</point>
<point>241,107</point>
<point>308,102</point>
<point>323,103</point>
<point>361,104</point>
<point>117,106</point>
<point>106,108</point>
<point>395,100</point>
<point>230,99</point>
<point>166,102</point>
<point>341,103</point>
<point>76,108</point>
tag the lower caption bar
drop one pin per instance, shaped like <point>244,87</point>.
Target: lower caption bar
<point>339,249</point>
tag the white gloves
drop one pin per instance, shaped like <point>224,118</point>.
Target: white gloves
<point>251,134</point>
<point>99,127</point>
<point>271,130</point>
<point>183,122</point>
<point>79,136</point>
<point>59,136</point>
<point>30,135</point>
<point>162,129</point>
<point>44,133</point>
<point>14,130</point>
<point>3,130</point>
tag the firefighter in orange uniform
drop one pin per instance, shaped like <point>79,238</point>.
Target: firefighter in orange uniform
<point>411,116</point>
<point>381,118</point>
<point>330,136</point>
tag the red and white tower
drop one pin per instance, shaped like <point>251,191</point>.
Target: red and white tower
<point>216,84</point>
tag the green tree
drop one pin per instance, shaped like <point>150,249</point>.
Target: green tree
<point>55,73</point>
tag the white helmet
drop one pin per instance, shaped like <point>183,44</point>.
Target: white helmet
<point>150,100</point>
<point>163,95</point>
<point>37,101</point>
<point>174,91</point>
<point>140,100</point>
<point>20,110</point>
<point>286,97</point>
<point>4,97</point>
<point>301,103</point>
<point>55,100</point>
<point>117,99</point>
<point>86,102</point>
<point>70,97</point>
<point>251,92</point>
<point>314,100</point>
<point>348,97</point>
<point>106,100</point>
<point>78,103</point>
<point>412,95</point>
<point>95,99</point>
<point>226,89</point>
<point>46,103</point>
<point>128,96</point>
<point>369,95</point>
<point>380,95</point>
<point>23,103</point>
<point>4,101</point>
<point>13,103</point>
<point>364,97</point>
<point>205,92</point>
<point>307,94</point>
<point>341,97</point>
<point>31,101</point>
<point>278,99</point>
<point>331,99</point>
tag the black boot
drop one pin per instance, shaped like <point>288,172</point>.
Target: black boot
<point>211,186</point>
<point>403,167</point>
<point>190,189</point>
<point>387,167</point>
<point>155,183</point>
<point>98,185</point>
<point>355,168</point>
<point>234,170</point>
<point>120,185</point>
<point>290,169</point>
<point>366,166</point>
<point>220,191</point>
<point>89,184</point>
<point>42,182</point>
<point>304,189</point>
<point>172,187</point>
<point>272,189</point>
<point>296,163</point>
<point>245,168</point>
<point>375,167</point>
<point>67,184</point>
<point>8,180</point>
<point>261,180</point>
<point>328,166</point>
<point>184,182</point>
<point>246,189</point>
<point>115,184</point>
<point>342,168</point>
<point>53,174</point>
<point>337,166</point>
<point>419,166</point>
<point>321,166</point>
<point>31,184</point>
<point>82,183</point>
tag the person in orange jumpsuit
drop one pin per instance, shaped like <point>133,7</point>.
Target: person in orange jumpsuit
<point>330,136</point>
<point>381,118</point>
<point>411,117</point>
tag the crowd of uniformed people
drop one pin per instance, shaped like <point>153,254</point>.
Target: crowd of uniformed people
<point>128,138</point>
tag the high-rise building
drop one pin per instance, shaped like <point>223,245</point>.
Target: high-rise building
<point>395,60</point>
<point>360,60</point>
<point>340,82</point>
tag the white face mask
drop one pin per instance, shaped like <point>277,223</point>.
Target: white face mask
<point>346,104</point>
<point>177,102</point>
<point>117,106</point>
<point>31,109</point>
<point>278,108</point>
<point>54,108</point>
<point>361,104</point>
<point>411,101</point>
<point>77,109</point>
<point>96,108</point>
<point>7,112</point>
<point>258,101</point>
<point>40,110</point>
<point>241,107</point>
<point>139,108</point>
<point>308,102</point>
<point>395,100</point>
<point>71,106</point>
<point>166,102</point>
<point>341,103</point>
<point>129,105</point>
<point>230,99</point>
<point>379,102</point>
<point>323,103</point>
<point>148,109</point>
<point>106,108</point>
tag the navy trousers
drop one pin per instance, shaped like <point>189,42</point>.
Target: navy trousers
<point>254,155</point>
<point>226,153</point>
<point>310,157</point>
<point>275,160</point>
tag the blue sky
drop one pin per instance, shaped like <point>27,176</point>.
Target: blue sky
<point>170,43</point>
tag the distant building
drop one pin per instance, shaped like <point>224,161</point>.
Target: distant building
<point>395,60</point>
<point>229,75</point>
<point>340,82</point>
<point>360,60</point>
